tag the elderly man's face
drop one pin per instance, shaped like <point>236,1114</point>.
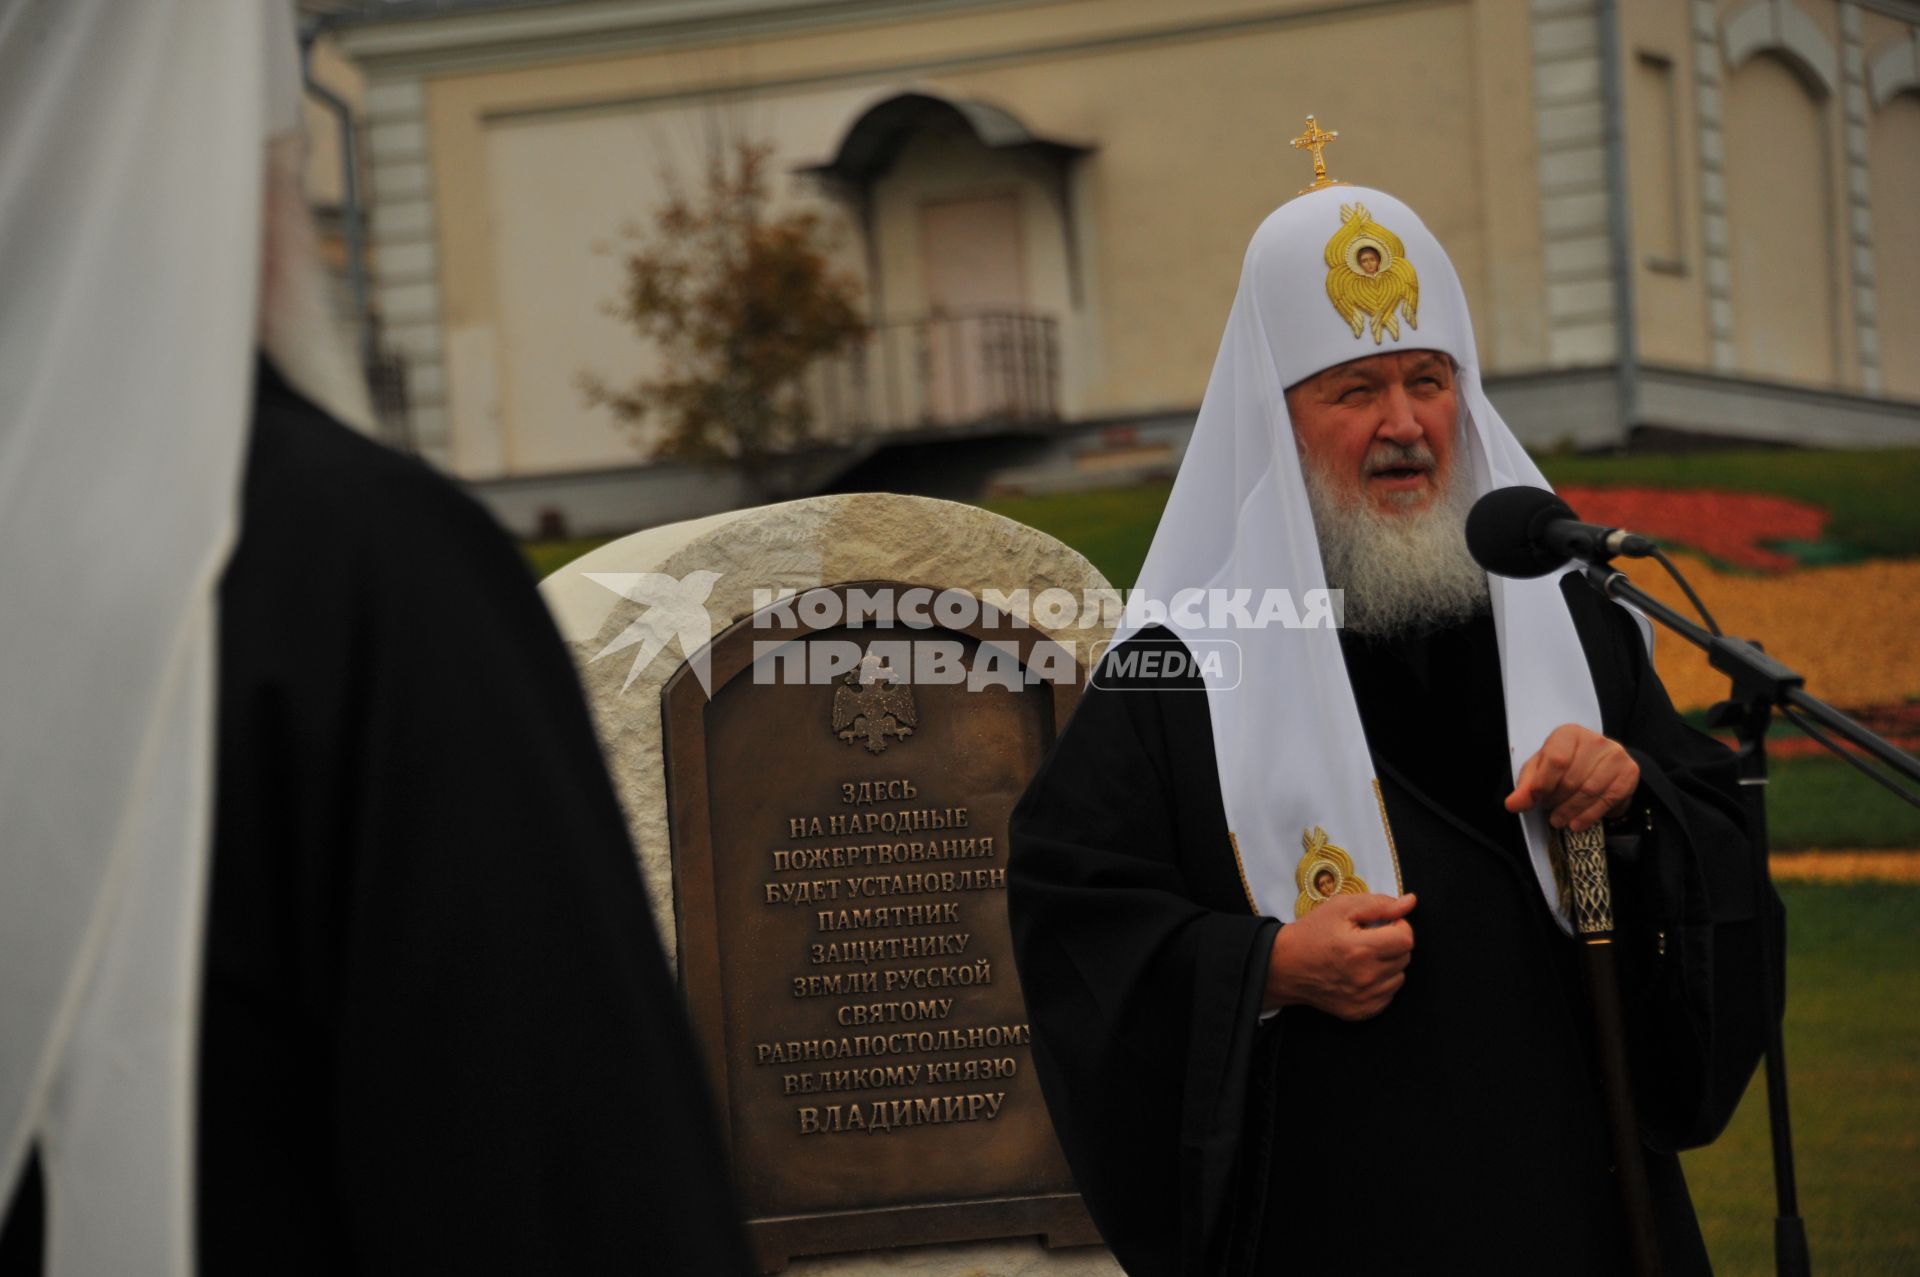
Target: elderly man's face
<point>1380,429</point>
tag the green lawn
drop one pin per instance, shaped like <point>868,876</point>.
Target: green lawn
<point>1113,527</point>
<point>1853,1071</point>
<point>1823,802</point>
<point>544,557</point>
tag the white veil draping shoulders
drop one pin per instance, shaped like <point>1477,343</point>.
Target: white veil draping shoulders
<point>131,153</point>
<point>1292,755</point>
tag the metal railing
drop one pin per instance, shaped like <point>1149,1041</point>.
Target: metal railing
<point>944,371</point>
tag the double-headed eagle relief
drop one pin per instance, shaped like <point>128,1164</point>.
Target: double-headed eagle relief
<point>869,707</point>
<point>1369,277</point>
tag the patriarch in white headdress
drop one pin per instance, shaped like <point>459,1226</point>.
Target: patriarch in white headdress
<point>1337,274</point>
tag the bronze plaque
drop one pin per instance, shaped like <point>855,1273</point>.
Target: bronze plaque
<point>839,849</point>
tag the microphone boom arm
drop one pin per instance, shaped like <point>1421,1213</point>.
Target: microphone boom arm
<point>1760,679</point>
<point>1760,683</point>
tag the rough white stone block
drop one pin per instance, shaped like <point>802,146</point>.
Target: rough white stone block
<point>798,544</point>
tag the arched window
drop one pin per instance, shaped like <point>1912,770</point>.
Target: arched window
<point>1893,150</point>
<point>1781,187</point>
<point>972,259</point>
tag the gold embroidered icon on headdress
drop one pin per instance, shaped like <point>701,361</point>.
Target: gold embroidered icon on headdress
<point>1369,276</point>
<point>1325,871</point>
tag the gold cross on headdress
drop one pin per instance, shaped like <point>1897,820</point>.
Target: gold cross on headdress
<point>1315,139</point>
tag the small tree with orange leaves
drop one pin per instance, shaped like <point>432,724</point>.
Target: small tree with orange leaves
<point>741,304</point>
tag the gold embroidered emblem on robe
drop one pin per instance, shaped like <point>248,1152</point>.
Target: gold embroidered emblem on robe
<point>1325,871</point>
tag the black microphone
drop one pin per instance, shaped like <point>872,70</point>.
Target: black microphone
<point>1530,532</point>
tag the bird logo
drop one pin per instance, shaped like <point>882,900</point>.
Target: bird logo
<point>675,610</point>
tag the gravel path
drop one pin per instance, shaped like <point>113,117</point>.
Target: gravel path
<point>1846,866</point>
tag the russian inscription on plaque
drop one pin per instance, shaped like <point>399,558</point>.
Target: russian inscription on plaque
<point>839,846</point>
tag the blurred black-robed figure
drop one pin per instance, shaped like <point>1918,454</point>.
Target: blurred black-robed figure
<point>438,1033</point>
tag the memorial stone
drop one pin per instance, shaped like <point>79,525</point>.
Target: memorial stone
<point>818,716</point>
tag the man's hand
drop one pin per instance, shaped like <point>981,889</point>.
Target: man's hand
<point>1579,776</point>
<point>1348,957</point>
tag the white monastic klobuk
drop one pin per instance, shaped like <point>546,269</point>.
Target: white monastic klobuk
<point>1292,756</point>
<point>131,162</point>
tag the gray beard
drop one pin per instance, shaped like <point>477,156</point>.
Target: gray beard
<point>1400,572</point>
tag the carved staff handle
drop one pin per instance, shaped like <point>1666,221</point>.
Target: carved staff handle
<point>1592,891</point>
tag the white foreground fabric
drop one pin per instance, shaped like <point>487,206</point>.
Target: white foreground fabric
<point>1292,754</point>
<point>130,193</point>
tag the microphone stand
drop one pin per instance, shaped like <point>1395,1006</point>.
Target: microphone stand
<point>1761,683</point>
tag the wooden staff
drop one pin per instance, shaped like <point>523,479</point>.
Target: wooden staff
<point>1593,922</point>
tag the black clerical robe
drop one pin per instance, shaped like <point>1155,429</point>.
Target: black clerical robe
<point>438,1034</point>
<point>1462,1128</point>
